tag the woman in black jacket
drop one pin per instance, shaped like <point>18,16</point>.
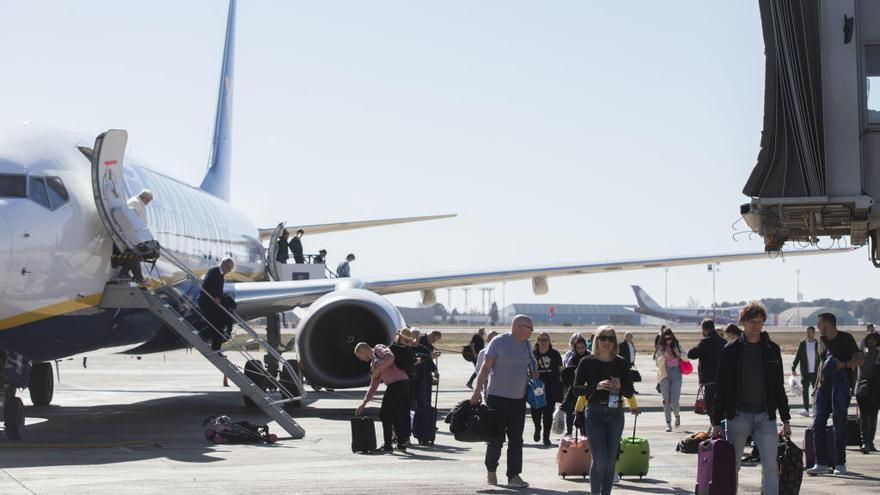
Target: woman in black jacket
<point>550,368</point>
<point>567,406</point>
<point>868,391</point>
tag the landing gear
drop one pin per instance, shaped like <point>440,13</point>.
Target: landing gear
<point>288,382</point>
<point>41,384</point>
<point>254,370</point>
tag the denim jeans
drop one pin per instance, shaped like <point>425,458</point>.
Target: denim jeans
<point>510,419</point>
<point>604,427</point>
<point>763,430</point>
<point>670,388</point>
<point>834,403</point>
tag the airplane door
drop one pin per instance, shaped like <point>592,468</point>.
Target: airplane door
<point>125,227</point>
<point>272,253</point>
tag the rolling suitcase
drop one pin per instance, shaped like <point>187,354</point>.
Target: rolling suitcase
<point>791,467</point>
<point>810,451</point>
<point>634,456</point>
<point>363,434</point>
<point>853,431</point>
<point>716,468</point>
<point>574,456</point>
<point>424,424</point>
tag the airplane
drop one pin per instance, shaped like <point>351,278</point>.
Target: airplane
<point>648,306</point>
<point>55,260</point>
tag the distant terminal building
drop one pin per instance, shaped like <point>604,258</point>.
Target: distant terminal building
<point>806,316</point>
<point>575,314</point>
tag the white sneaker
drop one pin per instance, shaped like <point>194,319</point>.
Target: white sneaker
<point>517,482</point>
<point>819,469</point>
<point>805,413</point>
<point>840,469</point>
<point>616,479</point>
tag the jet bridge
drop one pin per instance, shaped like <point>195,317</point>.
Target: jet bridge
<point>176,306</point>
<point>818,168</point>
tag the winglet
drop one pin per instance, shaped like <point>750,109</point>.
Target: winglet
<point>323,228</point>
<point>218,177</point>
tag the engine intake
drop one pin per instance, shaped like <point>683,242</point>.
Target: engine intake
<point>334,325</point>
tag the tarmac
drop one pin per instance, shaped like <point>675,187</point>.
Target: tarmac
<point>134,426</point>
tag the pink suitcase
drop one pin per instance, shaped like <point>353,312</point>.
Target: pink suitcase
<point>716,469</point>
<point>574,457</point>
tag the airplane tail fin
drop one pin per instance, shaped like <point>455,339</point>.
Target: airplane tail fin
<point>217,178</point>
<point>644,299</point>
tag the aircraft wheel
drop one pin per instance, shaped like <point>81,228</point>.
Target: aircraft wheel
<point>42,384</point>
<point>13,418</point>
<point>289,382</point>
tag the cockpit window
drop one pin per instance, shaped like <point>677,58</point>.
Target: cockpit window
<point>37,191</point>
<point>57,192</point>
<point>12,186</point>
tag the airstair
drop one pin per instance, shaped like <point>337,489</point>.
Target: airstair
<point>176,305</point>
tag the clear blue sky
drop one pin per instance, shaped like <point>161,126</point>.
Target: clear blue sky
<point>558,131</point>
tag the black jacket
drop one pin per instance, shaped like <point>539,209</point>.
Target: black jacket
<point>281,251</point>
<point>623,348</point>
<point>213,285</point>
<point>727,382</point>
<point>800,358</point>
<point>708,352</point>
<point>296,247</point>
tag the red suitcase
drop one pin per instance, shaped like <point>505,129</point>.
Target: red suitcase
<point>716,468</point>
<point>574,457</point>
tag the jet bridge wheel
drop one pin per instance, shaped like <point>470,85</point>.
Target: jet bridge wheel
<point>13,418</point>
<point>42,384</point>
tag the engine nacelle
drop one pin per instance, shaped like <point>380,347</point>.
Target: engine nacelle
<point>336,322</point>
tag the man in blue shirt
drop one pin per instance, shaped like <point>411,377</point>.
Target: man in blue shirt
<point>506,367</point>
<point>344,270</point>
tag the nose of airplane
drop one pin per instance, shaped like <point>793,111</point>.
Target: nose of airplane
<point>5,251</point>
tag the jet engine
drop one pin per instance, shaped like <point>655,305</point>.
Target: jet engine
<point>334,325</point>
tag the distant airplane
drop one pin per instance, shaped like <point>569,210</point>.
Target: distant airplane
<point>648,306</point>
<point>56,245</point>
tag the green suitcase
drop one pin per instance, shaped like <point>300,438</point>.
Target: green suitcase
<point>634,455</point>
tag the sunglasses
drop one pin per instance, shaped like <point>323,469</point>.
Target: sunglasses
<point>607,338</point>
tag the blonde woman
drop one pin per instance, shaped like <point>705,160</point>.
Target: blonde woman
<point>604,378</point>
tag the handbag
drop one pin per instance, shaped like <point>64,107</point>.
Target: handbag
<point>795,385</point>
<point>636,376</point>
<point>685,367</point>
<point>558,422</point>
<point>535,394</point>
<point>700,403</point>
<point>467,353</point>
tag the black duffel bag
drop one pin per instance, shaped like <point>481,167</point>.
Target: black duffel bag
<point>471,423</point>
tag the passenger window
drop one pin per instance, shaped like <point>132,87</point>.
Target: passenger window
<point>37,191</point>
<point>57,192</point>
<point>872,82</point>
<point>13,186</point>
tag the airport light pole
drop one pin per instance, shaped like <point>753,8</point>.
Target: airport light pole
<point>666,288</point>
<point>798,298</point>
<point>713,267</point>
<point>465,289</point>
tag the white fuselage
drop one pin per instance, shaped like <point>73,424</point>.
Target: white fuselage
<point>55,257</point>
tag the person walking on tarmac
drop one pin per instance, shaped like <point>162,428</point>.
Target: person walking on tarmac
<point>549,368</point>
<point>506,368</point>
<point>807,357</point>
<point>210,300</point>
<point>708,352</point>
<point>395,403</point>
<point>296,247</point>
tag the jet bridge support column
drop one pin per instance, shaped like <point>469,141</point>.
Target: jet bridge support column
<point>273,337</point>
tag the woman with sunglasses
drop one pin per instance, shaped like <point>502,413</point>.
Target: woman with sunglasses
<point>668,357</point>
<point>604,378</point>
<point>549,368</point>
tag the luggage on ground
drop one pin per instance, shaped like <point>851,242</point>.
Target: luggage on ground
<point>853,431</point>
<point>700,403</point>
<point>716,468</point>
<point>424,423</point>
<point>691,443</point>
<point>810,451</point>
<point>574,456</point>
<point>469,423</point>
<point>791,467</point>
<point>634,455</point>
<point>221,429</point>
<point>363,434</point>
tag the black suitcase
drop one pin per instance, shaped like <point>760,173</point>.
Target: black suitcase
<point>853,431</point>
<point>424,426</point>
<point>363,434</point>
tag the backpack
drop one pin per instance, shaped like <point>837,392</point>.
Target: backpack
<point>470,423</point>
<point>221,429</point>
<point>404,358</point>
<point>691,443</point>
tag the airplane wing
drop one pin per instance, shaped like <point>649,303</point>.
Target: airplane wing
<point>323,228</point>
<point>262,298</point>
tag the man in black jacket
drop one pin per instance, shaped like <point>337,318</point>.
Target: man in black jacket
<point>209,300</point>
<point>749,390</point>
<point>296,247</point>
<point>807,357</point>
<point>282,252</point>
<point>708,352</point>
